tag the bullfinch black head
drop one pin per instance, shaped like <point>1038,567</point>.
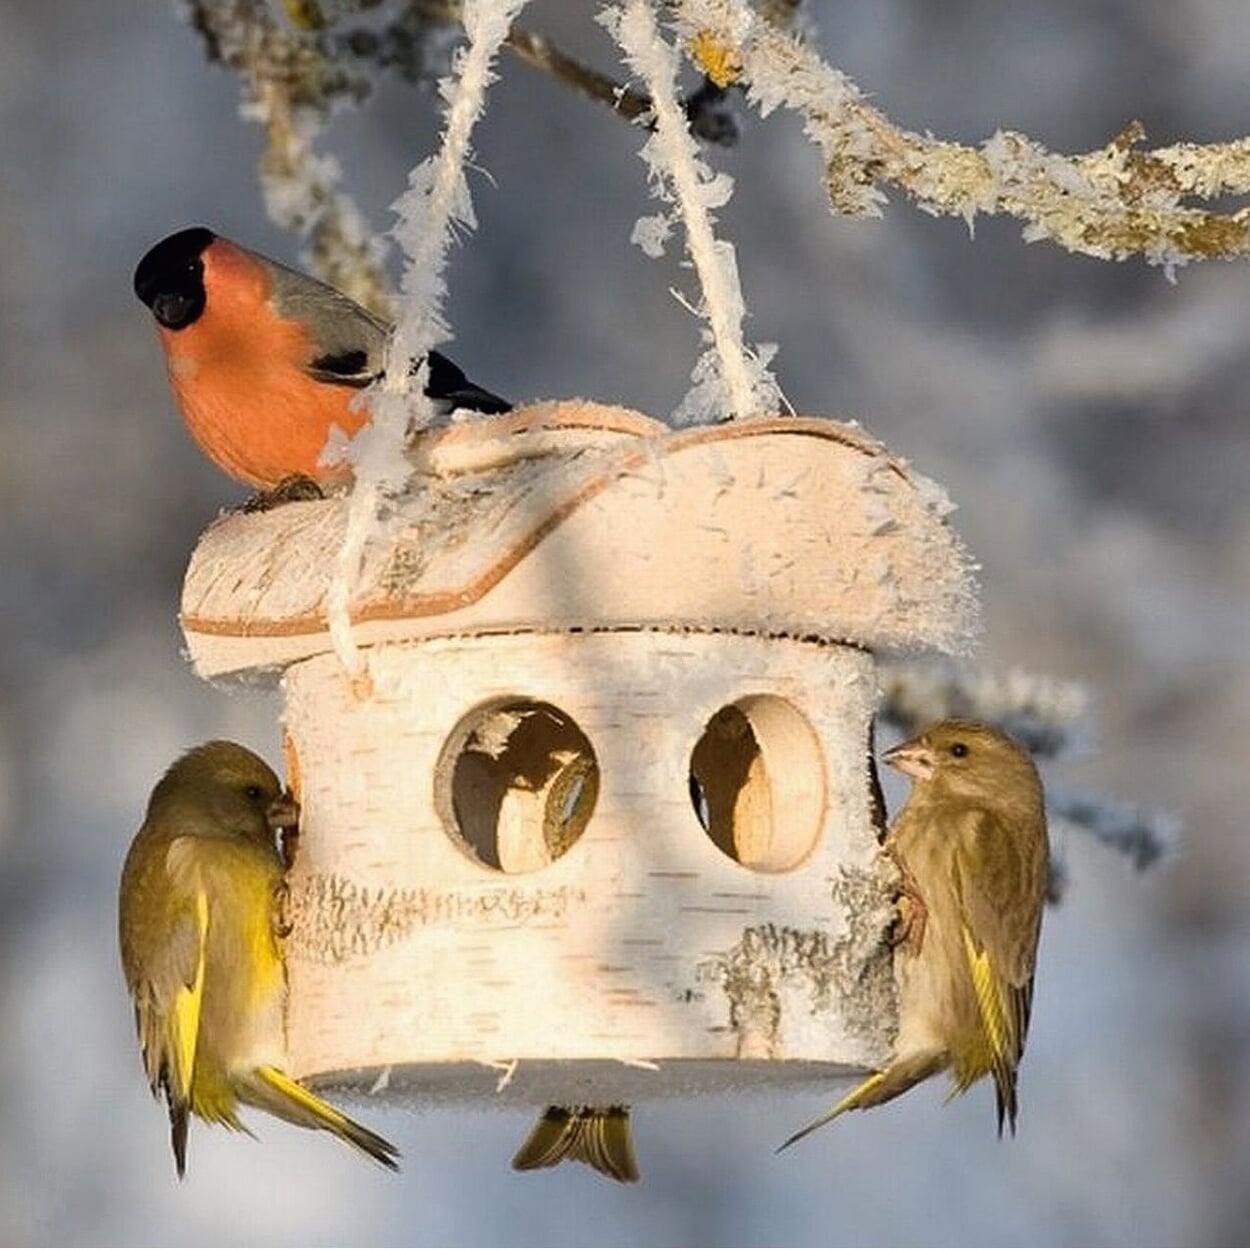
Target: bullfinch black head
<point>170,278</point>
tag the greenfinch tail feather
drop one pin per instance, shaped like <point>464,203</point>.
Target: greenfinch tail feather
<point>273,1091</point>
<point>178,1119</point>
<point>1008,1108</point>
<point>880,1087</point>
<point>597,1136</point>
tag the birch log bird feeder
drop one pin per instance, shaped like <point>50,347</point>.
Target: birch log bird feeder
<point>605,805</point>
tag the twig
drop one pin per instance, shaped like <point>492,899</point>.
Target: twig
<point>542,54</point>
<point>1047,715</point>
<point>1145,837</point>
<point>706,106</point>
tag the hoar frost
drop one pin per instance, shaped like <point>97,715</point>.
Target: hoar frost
<point>730,379</point>
<point>430,213</point>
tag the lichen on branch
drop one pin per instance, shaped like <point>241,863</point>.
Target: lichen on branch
<point>1118,201</point>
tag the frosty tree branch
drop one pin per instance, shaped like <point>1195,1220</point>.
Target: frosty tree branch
<point>1047,715</point>
<point>291,89</point>
<point>1117,202</point>
<point>710,120</point>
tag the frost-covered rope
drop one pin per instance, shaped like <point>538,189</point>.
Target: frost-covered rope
<point>430,213</point>
<point>731,379</point>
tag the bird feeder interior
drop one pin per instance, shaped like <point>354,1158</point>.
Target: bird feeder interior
<point>602,813</point>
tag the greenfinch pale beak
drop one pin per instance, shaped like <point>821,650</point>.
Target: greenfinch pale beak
<point>283,812</point>
<point>914,757</point>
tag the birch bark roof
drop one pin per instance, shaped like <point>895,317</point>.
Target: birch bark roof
<point>574,516</point>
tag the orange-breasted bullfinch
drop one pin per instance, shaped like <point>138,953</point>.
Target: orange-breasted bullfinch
<point>264,361</point>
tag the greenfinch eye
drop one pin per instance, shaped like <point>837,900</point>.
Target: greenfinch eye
<point>959,750</point>
<point>253,792</point>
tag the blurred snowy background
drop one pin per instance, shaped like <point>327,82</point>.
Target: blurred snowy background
<point>1089,418</point>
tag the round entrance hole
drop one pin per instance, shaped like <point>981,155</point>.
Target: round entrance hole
<point>516,784</point>
<point>757,783</point>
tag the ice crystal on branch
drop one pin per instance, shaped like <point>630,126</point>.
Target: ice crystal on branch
<point>730,379</point>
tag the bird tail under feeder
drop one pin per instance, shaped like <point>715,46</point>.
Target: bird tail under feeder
<point>606,808</point>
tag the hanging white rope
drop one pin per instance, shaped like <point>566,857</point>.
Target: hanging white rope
<point>731,378</point>
<point>436,206</point>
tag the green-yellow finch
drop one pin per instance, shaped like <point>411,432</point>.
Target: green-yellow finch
<point>971,845</point>
<point>200,939</point>
<point>598,1136</point>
